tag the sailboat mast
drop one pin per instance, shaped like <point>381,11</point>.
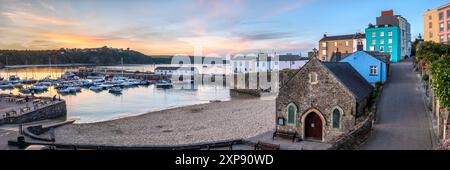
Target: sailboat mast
<point>122,65</point>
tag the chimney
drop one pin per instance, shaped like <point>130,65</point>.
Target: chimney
<point>360,47</point>
<point>387,13</point>
<point>324,35</point>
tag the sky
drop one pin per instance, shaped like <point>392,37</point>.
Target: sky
<point>218,27</point>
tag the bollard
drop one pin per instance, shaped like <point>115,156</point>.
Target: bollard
<point>21,142</point>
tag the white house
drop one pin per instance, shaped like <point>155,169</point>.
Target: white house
<point>183,71</point>
<point>264,62</point>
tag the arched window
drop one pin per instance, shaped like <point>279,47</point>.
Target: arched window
<point>291,114</point>
<point>336,118</point>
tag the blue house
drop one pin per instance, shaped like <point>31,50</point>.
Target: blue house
<point>373,66</point>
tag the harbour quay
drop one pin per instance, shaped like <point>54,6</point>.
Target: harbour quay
<point>17,109</point>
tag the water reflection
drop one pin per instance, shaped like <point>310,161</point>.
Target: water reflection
<point>90,106</point>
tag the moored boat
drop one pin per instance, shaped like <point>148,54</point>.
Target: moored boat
<point>116,90</point>
<point>165,84</point>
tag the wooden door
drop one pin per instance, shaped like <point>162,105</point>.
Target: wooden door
<point>313,127</point>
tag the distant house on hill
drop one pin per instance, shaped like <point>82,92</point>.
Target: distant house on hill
<point>322,101</point>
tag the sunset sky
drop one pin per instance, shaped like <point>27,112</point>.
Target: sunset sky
<point>177,26</point>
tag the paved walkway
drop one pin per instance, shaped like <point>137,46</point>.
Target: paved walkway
<point>6,135</point>
<point>402,122</point>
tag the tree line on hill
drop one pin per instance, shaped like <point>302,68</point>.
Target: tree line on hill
<point>91,56</point>
<point>94,56</point>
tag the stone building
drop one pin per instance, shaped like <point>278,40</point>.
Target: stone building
<point>321,101</point>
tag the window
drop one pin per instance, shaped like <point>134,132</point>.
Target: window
<point>441,16</point>
<point>448,25</point>
<point>276,62</point>
<point>372,48</point>
<point>292,62</point>
<point>430,25</point>
<point>336,119</point>
<point>374,42</point>
<point>390,49</point>
<point>264,64</point>
<point>346,43</point>
<point>430,17</point>
<point>381,34</point>
<point>448,37</point>
<point>382,41</point>
<point>448,13</point>
<point>291,114</point>
<point>374,34</point>
<point>313,78</point>
<point>390,40</point>
<point>441,39</point>
<point>441,27</point>
<point>381,48</point>
<point>324,44</point>
<point>324,52</point>
<point>431,34</point>
<point>373,70</point>
<point>335,44</point>
<point>390,33</point>
<point>240,63</point>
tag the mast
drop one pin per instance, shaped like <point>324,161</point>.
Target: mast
<point>122,65</point>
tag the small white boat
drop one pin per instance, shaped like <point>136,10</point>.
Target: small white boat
<point>65,91</point>
<point>106,86</point>
<point>96,88</point>
<point>25,91</point>
<point>38,88</point>
<point>165,84</point>
<point>7,86</point>
<point>74,89</point>
<point>115,90</point>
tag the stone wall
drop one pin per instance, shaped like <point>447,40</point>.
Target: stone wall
<point>355,137</point>
<point>321,97</point>
<point>52,111</point>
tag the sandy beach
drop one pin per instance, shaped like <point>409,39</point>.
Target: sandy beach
<point>236,119</point>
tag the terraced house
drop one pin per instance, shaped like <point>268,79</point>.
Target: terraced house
<point>321,101</point>
<point>437,24</point>
<point>345,44</point>
<point>391,34</point>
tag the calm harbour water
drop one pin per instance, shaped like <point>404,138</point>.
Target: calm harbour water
<point>89,106</point>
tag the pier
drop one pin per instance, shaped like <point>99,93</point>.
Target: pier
<point>16,109</point>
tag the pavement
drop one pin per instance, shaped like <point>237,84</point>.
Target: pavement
<point>5,135</point>
<point>403,122</point>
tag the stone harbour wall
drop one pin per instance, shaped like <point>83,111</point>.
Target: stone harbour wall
<point>52,111</point>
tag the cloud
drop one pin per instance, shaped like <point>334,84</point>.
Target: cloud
<point>265,35</point>
<point>27,18</point>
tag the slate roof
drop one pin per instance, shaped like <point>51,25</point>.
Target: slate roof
<point>384,57</point>
<point>336,58</point>
<point>290,57</point>
<point>344,37</point>
<point>350,78</point>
